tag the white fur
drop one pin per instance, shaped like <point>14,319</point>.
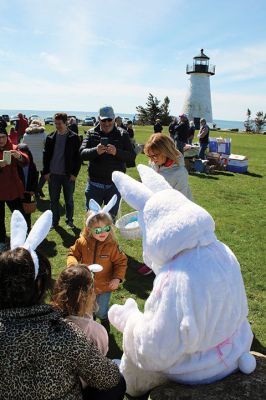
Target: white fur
<point>38,233</point>
<point>194,328</point>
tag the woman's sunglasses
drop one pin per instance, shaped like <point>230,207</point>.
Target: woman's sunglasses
<point>98,231</point>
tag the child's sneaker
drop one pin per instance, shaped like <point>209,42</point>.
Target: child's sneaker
<point>144,270</point>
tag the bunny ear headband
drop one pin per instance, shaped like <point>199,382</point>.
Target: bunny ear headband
<point>40,230</point>
<point>96,209</point>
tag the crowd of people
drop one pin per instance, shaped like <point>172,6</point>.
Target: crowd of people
<point>63,363</point>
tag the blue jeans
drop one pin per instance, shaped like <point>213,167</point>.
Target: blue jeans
<point>203,148</point>
<point>103,300</point>
<point>56,183</point>
<point>102,194</point>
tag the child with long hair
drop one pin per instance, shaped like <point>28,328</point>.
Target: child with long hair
<point>97,245</point>
<point>74,295</point>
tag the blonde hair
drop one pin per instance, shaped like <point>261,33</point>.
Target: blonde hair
<point>74,292</point>
<point>164,145</point>
<point>36,122</point>
<point>101,217</point>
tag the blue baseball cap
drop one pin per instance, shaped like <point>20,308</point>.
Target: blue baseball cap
<point>106,112</point>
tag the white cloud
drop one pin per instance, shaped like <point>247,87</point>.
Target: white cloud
<point>54,62</point>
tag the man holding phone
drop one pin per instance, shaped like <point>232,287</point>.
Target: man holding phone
<point>107,148</point>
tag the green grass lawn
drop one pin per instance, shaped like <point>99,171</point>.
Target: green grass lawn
<point>237,204</point>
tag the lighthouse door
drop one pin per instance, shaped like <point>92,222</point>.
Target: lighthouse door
<point>197,123</point>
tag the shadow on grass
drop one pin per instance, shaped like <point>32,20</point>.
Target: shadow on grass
<point>203,176</point>
<point>257,346</point>
<point>44,204</point>
<point>48,248</point>
<point>254,175</point>
<point>136,283</point>
<point>68,238</point>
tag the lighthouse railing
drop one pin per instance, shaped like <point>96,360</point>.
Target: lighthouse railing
<point>198,68</point>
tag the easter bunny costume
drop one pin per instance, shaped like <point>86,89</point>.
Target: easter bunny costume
<point>194,327</point>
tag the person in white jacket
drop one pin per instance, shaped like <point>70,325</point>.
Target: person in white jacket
<point>194,328</point>
<point>168,162</point>
<point>35,137</point>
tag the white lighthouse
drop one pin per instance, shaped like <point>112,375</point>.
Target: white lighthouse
<point>198,99</point>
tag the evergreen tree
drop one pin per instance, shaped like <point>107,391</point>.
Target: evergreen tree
<point>165,116</point>
<point>153,110</point>
<point>260,121</point>
<point>248,124</point>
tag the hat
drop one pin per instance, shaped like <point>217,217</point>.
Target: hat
<point>183,116</point>
<point>106,113</point>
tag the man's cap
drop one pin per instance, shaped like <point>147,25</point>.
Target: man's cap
<point>106,112</point>
<point>183,116</point>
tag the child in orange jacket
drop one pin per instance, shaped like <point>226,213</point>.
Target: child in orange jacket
<point>97,245</point>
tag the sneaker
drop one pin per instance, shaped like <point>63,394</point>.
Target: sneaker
<point>70,225</point>
<point>144,270</point>
<point>2,247</point>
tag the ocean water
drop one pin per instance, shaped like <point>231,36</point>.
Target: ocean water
<point>223,124</point>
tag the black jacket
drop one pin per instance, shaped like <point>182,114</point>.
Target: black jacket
<point>157,127</point>
<point>102,166</point>
<point>72,156</point>
<point>181,131</point>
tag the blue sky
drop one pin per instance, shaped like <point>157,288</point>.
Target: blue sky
<point>78,54</point>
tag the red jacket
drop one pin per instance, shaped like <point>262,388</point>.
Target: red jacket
<point>21,126</point>
<point>11,186</point>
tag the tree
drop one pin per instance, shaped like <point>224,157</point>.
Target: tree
<point>248,124</point>
<point>165,116</point>
<point>260,121</point>
<point>153,110</point>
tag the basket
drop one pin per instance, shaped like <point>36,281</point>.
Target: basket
<point>128,233</point>
<point>29,206</point>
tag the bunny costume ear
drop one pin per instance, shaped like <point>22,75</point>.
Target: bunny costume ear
<point>96,208</point>
<point>18,230</point>
<point>134,192</point>
<point>152,180</point>
<point>38,233</point>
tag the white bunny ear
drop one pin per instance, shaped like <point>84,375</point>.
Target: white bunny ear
<point>18,228</point>
<point>39,231</point>
<point>110,205</point>
<point>94,206</point>
<point>95,268</point>
<point>152,180</point>
<point>134,192</point>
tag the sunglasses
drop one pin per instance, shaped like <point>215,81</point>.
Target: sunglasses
<point>98,231</point>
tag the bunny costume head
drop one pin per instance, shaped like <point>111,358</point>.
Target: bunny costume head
<point>194,328</point>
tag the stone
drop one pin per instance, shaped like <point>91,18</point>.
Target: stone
<point>235,387</point>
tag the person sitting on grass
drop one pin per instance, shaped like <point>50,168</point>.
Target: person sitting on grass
<point>42,354</point>
<point>97,244</point>
<point>168,162</point>
<point>74,295</point>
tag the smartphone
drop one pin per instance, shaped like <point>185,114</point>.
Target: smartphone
<point>7,156</point>
<point>104,141</point>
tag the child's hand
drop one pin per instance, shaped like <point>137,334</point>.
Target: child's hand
<point>114,283</point>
